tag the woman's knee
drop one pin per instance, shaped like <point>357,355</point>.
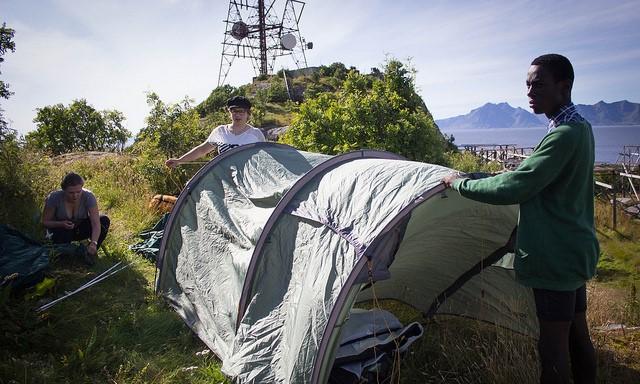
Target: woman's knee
<point>105,222</point>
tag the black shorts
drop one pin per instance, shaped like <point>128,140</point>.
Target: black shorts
<point>560,305</point>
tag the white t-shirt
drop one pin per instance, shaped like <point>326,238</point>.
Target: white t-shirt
<point>225,139</point>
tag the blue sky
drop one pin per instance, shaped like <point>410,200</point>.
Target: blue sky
<point>466,53</point>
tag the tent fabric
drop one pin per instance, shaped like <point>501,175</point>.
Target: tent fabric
<point>212,230</point>
<point>368,337</point>
<point>150,240</point>
<point>268,248</point>
<point>23,260</point>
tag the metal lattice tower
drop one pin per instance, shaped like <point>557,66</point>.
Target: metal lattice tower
<point>253,31</point>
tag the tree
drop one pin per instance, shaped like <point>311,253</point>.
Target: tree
<point>78,127</point>
<point>171,130</point>
<point>217,99</point>
<point>6,44</point>
<point>370,112</point>
<point>277,91</point>
<point>337,70</point>
<point>19,169</point>
<point>115,134</point>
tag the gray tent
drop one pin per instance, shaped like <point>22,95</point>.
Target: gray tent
<point>268,249</point>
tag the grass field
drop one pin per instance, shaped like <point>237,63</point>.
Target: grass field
<point>119,332</point>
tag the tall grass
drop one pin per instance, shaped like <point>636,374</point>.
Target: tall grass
<point>119,332</point>
<point>619,264</point>
<point>116,331</point>
<point>22,186</point>
<point>467,162</point>
<point>456,350</point>
<point>617,348</point>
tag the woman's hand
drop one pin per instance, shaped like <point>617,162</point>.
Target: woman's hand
<point>68,224</point>
<point>92,248</point>
<point>172,162</point>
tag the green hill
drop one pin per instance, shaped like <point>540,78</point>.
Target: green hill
<point>275,97</point>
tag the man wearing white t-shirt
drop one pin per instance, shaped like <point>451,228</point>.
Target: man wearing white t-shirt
<point>225,137</point>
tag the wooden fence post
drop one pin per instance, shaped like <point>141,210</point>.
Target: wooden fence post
<point>615,208</point>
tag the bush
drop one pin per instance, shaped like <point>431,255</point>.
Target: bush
<point>259,108</point>
<point>172,129</point>
<point>277,91</point>
<point>467,162</point>
<point>23,186</point>
<point>366,112</point>
<point>217,100</point>
<point>159,177</point>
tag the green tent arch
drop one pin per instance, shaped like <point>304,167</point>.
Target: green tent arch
<point>268,248</point>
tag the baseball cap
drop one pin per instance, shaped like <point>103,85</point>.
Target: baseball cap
<point>238,102</point>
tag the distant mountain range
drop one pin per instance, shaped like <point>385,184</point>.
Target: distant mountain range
<point>502,115</point>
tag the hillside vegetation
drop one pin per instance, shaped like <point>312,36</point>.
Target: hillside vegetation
<point>118,331</point>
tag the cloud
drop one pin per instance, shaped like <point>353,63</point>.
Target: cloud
<point>111,56</point>
<point>466,53</point>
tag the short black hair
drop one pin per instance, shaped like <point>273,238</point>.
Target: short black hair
<point>238,102</point>
<point>559,66</point>
<point>71,179</point>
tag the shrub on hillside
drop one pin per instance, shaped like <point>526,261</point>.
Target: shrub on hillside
<point>23,186</point>
<point>277,91</point>
<point>367,112</point>
<point>217,99</point>
<point>337,70</point>
<point>467,162</point>
<point>159,177</point>
<point>171,130</point>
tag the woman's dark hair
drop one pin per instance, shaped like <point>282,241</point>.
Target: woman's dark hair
<point>71,179</point>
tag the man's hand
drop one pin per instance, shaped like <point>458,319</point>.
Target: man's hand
<point>450,178</point>
<point>172,162</point>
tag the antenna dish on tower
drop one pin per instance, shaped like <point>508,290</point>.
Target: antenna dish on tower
<point>254,31</point>
<point>239,30</point>
<point>288,41</point>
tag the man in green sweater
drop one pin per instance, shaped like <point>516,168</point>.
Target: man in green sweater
<point>556,248</point>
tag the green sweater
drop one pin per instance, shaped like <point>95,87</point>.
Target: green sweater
<point>556,246</point>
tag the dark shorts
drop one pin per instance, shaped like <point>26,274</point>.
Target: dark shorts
<point>81,231</point>
<point>560,305</point>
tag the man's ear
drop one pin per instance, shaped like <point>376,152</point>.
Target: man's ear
<point>565,86</point>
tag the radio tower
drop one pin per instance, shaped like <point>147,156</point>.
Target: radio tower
<point>254,31</point>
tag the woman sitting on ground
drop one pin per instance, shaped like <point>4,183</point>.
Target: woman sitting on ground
<point>225,137</point>
<point>71,214</point>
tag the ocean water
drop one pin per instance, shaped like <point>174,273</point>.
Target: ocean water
<point>609,139</point>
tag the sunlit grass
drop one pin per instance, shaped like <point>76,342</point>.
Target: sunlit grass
<point>118,331</point>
